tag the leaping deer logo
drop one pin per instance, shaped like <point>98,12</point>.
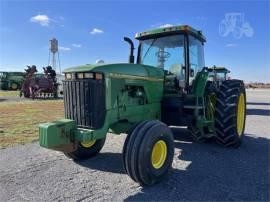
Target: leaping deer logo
<point>235,23</point>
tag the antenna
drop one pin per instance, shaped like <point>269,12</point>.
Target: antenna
<point>53,51</point>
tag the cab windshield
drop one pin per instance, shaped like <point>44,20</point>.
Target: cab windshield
<point>165,52</point>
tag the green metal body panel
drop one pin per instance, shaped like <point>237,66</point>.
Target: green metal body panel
<point>122,110</point>
<point>57,135</point>
<point>119,105</point>
<point>121,68</point>
<point>200,83</point>
<point>203,102</point>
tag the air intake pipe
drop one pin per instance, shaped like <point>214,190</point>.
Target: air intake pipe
<point>131,55</point>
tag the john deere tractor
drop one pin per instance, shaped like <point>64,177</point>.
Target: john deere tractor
<point>11,80</point>
<point>168,85</point>
<point>218,73</point>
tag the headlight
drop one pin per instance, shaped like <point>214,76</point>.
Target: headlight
<point>68,76</point>
<point>99,76</point>
<point>88,75</point>
<point>80,76</point>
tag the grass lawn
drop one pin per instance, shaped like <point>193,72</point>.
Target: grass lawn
<point>19,120</point>
<point>9,93</point>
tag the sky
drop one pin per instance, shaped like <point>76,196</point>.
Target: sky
<point>237,32</point>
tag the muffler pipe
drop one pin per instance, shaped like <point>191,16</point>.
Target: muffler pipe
<point>131,55</point>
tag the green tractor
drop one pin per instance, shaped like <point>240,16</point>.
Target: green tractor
<point>168,85</point>
<point>11,80</point>
<point>218,73</point>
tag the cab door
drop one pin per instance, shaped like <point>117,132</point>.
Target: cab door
<point>196,57</point>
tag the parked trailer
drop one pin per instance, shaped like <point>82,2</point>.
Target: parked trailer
<point>40,86</point>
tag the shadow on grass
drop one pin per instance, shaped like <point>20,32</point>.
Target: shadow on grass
<point>205,172</point>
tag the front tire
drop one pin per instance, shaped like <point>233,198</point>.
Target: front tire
<point>230,113</point>
<point>14,86</point>
<point>148,152</point>
<point>87,149</point>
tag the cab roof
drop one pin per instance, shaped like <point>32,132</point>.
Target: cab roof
<point>170,31</point>
<point>218,69</point>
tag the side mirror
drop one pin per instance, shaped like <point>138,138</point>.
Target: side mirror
<point>191,72</point>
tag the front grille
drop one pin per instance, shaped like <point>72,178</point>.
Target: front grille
<point>84,101</point>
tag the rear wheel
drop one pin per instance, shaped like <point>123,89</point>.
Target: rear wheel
<point>87,149</point>
<point>148,152</point>
<point>230,113</point>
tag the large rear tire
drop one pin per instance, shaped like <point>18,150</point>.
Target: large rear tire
<point>148,152</point>
<point>230,113</point>
<point>196,134</point>
<point>87,149</point>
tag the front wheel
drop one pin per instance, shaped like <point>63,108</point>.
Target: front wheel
<point>148,152</point>
<point>87,149</point>
<point>14,86</point>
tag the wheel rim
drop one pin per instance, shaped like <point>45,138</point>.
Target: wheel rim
<point>159,154</point>
<point>240,114</point>
<point>88,144</point>
<point>14,86</point>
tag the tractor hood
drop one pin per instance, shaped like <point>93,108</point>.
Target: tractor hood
<point>120,69</point>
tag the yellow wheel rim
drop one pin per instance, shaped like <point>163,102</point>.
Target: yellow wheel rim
<point>159,154</point>
<point>88,144</point>
<point>14,86</point>
<point>241,114</point>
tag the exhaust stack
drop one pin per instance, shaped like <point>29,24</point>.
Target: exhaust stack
<point>131,55</point>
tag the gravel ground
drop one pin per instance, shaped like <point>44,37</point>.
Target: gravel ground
<point>201,172</point>
<point>5,99</point>
<point>13,99</point>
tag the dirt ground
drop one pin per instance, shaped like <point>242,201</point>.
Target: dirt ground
<point>201,172</point>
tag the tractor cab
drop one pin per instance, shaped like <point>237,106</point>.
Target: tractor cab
<point>178,50</point>
<point>218,74</point>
